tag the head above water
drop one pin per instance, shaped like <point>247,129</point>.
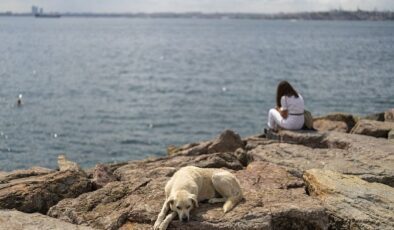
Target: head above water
<point>284,89</point>
<point>19,100</point>
<point>183,202</point>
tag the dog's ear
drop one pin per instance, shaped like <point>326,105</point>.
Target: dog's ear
<point>194,200</point>
<point>170,202</point>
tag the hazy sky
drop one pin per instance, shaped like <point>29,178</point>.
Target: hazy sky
<point>266,6</point>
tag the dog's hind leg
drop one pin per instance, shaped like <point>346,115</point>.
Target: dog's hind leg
<point>227,185</point>
<point>167,220</point>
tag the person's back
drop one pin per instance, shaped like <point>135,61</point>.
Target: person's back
<point>289,112</point>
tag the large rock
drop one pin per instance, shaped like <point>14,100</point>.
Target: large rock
<point>370,158</point>
<point>328,125</point>
<point>65,164</point>
<point>149,168</point>
<point>390,136</point>
<point>102,175</point>
<point>228,141</point>
<point>273,200</point>
<point>16,220</point>
<point>389,115</point>
<point>373,128</point>
<point>5,177</point>
<point>340,122</point>
<point>353,203</point>
<point>375,117</point>
<point>39,193</point>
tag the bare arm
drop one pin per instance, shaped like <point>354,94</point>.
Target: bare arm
<point>284,113</point>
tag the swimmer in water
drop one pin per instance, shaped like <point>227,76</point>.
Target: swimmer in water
<point>19,101</point>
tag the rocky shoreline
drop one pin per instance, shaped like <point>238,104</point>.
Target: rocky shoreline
<point>338,177</point>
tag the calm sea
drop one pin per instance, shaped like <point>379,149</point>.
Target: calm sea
<point>111,90</point>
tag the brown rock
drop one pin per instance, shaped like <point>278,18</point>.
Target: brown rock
<point>168,166</point>
<point>14,220</point>
<point>254,141</point>
<point>273,200</point>
<point>102,175</point>
<point>353,203</point>
<point>340,122</point>
<point>389,115</point>
<point>106,208</point>
<point>34,171</point>
<point>375,117</point>
<point>65,164</point>
<point>391,135</point>
<point>327,125</point>
<point>39,193</point>
<point>373,128</point>
<point>228,141</point>
<point>370,158</point>
<point>199,149</point>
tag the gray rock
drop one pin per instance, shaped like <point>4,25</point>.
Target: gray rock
<point>15,220</point>
<point>352,202</point>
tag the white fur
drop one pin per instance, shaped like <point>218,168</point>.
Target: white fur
<point>189,185</point>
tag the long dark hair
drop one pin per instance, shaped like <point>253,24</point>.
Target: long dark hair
<point>284,89</point>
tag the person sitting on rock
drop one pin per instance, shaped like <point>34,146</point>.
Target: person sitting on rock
<point>289,111</point>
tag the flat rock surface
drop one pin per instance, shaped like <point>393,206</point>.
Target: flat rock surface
<point>373,128</point>
<point>353,203</point>
<point>273,199</point>
<point>15,220</point>
<point>370,158</point>
<point>340,122</point>
<point>39,193</point>
<point>35,171</point>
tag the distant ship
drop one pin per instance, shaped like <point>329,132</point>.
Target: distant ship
<point>47,15</point>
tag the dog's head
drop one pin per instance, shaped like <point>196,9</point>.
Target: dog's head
<point>183,202</point>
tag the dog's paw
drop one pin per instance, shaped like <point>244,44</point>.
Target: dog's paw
<point>156,226</point>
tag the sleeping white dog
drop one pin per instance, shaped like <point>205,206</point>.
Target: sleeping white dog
<point>189,185</point>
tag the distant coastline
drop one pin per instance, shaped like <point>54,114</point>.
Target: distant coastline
<point>359,15</point>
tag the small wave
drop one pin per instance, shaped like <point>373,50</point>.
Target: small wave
<point>135,142</point>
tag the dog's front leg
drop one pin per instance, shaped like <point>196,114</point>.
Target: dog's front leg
<point>161,216</point>
<point>167,220</point>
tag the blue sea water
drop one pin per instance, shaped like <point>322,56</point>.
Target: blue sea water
<point>111,90</point>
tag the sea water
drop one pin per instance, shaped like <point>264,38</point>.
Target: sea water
<point>111,90</point>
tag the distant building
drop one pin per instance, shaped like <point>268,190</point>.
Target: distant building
<point>41,10</point>
<point>34,10</point>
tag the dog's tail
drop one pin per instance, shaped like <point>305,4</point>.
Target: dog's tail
<point>231,202</point>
